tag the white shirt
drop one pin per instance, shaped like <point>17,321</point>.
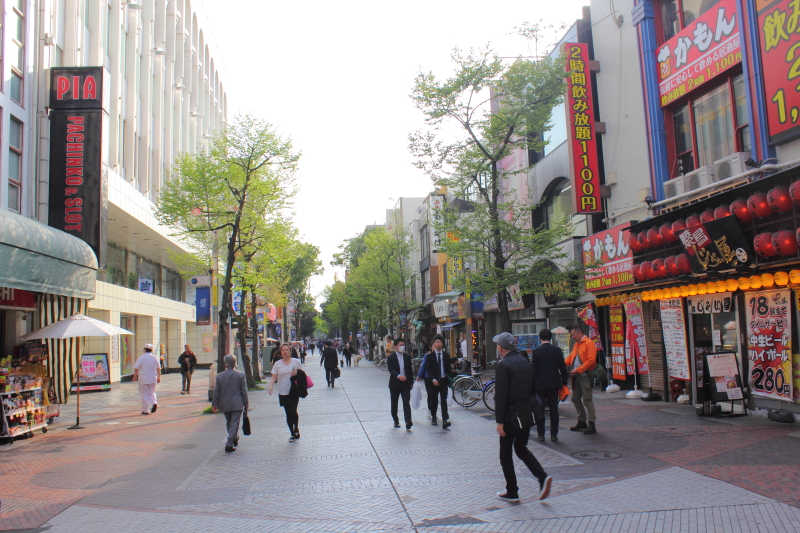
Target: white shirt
<point>147,364</point>
<point>401,362</point>
<point>284,373</point>
<point>441,363</point>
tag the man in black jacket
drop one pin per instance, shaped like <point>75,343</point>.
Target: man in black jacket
<point>401,381</point>
<point>439,370</point>
<point>331,360</point>
<point>551,374</point>
<point>513,387</point>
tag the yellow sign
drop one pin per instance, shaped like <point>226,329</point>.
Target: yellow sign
<point>215,296</point>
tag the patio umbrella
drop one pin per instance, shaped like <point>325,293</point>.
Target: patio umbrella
<point>77,325</point>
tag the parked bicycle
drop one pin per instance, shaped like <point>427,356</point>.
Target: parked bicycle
<point>380,362</point>
<point>469,390</point>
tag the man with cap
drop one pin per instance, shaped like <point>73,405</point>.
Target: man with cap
<point>514,387</point>
<point>439,370</point>
<point>147,371</point>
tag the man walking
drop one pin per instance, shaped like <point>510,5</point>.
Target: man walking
<point>513,387</point>
<point>230,396</point>
<point>400,381</point>
<point>187,360</point>
<point>437,364</point>
<point>330,359</point>
<point>582,359</point>
<point>551,374</point>
<point>147,371</point>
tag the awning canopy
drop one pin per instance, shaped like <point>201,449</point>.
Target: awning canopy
<point>451,325</point>
<point>35,257</point>
<point>447,295</point>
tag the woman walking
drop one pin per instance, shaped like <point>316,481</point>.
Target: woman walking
<point>282,372</point>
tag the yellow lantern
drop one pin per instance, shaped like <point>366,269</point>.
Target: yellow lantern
<point>794,277</point>
<point>722,286</point>
<point>647,296</point>
<point>676,292</point>
<point>659,294</point>
<point>731,285</point>
<point>711,287</point>
<point>692,289</point>
<point>702,289</point>
<point>744,283</point>
<point>598,302</point>
<point>615,299</point>
<point>781,278</point>
<point>684,291</point>
<point>755,282</point>
<point>767,280</point>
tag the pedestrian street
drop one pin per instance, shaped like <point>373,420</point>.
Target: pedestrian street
<point>649,469</point>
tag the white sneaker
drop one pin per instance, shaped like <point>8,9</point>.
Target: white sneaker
<point>545,491</point>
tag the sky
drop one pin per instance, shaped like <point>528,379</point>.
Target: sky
<point>335,77</point>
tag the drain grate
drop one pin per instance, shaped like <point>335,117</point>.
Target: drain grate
<point>173,447</point>
<point>596,456</point>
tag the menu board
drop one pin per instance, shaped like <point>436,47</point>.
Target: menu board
<point>673,324</point>
<point>723,372</point>
<point>617,323</point>
<point>769,343</point>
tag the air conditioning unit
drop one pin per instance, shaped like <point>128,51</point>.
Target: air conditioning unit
<point>698,178</point>
<point>673,188</point>
<point>730,166</point>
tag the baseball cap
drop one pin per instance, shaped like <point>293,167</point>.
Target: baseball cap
<point>148,346</point>
<point>505,340</point>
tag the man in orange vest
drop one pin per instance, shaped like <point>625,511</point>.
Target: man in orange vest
<point>582,359</point>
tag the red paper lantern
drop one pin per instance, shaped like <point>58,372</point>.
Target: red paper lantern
<point>678,226</point>
<point>683,263</point>
<point>693,220</point>
<point>644,241</point>
<point>633,242</point>
<point>638,275</point>
<point>707,215</point>
<point>794,191</point>
<point>779,199</point>
<point>763,245</point>
<point>722,211</point>
<point>671,263</point>
<point>654,237</point>
<point>739,208</point>
<point>659,268</point>
<point>647,270</point>
<point>759,205</point>
<point>784,242</point>
<point>666,232</point>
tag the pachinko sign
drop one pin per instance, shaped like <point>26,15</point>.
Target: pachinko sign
<point>586,170</point>
<point>769,343</point>
<point>609,249</point>
<point>700,52</point>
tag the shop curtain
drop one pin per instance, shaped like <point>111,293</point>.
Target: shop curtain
<point>62,354</point>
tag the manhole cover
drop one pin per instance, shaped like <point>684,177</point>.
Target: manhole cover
<point>596,455</point>
<point>173,447</point>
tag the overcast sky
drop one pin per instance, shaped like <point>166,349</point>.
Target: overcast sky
<point>335,77</point>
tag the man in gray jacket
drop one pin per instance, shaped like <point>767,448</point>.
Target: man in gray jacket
<point>230,396</point>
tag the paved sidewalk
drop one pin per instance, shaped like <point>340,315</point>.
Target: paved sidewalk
<point>654,467</point>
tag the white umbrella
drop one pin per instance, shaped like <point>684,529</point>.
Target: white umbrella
<point>76,326</point>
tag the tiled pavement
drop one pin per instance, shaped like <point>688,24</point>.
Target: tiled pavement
<point>352,471</point>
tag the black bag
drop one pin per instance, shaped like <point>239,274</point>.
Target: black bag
<point>337,372</point>
<point>519,417</point>
<point>245,422</point>
<point>537,407</point>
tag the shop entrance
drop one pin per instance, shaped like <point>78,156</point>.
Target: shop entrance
<point>712,332</point>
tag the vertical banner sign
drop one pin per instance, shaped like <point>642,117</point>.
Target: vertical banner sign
<point>617,341</point>
<point>769,343</point>
<point>701,51</point>
<point>587,315</point>
<point>779,35</point>
<point>673,324</point>
<point>610,250</point>
<point>586,170</point>
<point>635,340</point>
<point>203,306</point>
<point>437,219</point>
<point>78,186</point>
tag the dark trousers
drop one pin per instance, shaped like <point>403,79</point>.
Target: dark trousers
<point>518,440</point>
<point>232,419</point>
<point>289,403</point>
<point>395,393</point>
<point>550,399</point>
<point>186,381</point>
<point>329,375</point>
<point>437,393</point>
<point>347,358</point>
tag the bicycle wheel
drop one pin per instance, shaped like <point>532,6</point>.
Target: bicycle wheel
<point>466,392</point>
<point>383,365</point>
<point>488,395</point>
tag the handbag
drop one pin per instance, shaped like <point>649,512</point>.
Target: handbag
<point>337,372</point>
<point>309,382</point>
<point>563,393</point>
<point>245,422</point>
<point>519,416</point>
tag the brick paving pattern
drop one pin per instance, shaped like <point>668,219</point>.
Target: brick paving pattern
<point>654,467</point>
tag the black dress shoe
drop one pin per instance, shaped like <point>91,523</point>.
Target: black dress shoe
<point>409,424</point>
<point>434,422</point>
<point>229,449</point>
<point>446,424</point>
<point>396,424</point>
<point>540,438</point>
<point>153,409</point>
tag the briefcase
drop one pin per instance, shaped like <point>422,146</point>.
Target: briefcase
<point>245,422</point>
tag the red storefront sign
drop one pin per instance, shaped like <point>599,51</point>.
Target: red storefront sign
<point>635,340</point>
<point>779,42</point>
<point>700,52</point>
<point>617,322</point>
<point>17,299</point>
<point>586,170</point>
<point>609,247</point>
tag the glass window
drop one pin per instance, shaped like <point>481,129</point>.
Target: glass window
<point>14,161</point>
<point>14,193</point>
<point>15,134</point>
<point>559,205</point>
<point>692,9</point>
<point>17,26</point>
<point>17,58</point>
<point>713,118</point>
<point>15,88</point>
<point>742,127</point>
<point>682,128</point>
<point>670,21</point>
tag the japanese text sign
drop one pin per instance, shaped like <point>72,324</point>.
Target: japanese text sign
<point>700,52</point>
<point>779,41</point>
<point>580,110</point>
<point>769,343</point>
<point>673,324</point>
<point>437,219</point>
<point>706,304</point>
<point>635,340</point>
<point>609,247</point>
<point>617,323</point>
<point>716,245</point>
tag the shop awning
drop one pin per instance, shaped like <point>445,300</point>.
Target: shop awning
<point>35,257</point>
<point>448,295</point>
<point>451,325</point>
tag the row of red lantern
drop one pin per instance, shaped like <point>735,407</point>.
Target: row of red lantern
<point>674,265</point>
<point>783,242</point>
<point>778,200</point>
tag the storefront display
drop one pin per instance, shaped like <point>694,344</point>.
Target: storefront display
<point>94,374</point>
<point>24,405</point>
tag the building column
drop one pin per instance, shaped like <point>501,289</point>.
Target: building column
<point>148,331</point>
<point>176,335</point>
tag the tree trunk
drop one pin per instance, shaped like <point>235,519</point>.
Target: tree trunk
<point>241,320</point>
<point>256,342</point>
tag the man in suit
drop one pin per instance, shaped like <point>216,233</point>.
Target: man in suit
<point>438,367</point>
<point>550,373</point>
<point>230,396</point>
<point>331,360</point>
<point>400,381</point>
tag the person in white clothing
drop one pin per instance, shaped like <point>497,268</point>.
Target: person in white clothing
<point>282,372</point>
<point>147,371</point>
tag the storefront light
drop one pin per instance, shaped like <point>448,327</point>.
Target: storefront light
<point>676,292</point>
<point>701,289</point>
<point>684,291</point>
<point>659,294</point>
<point>721,286</point>
<point>744,283</point>
<point>794,277</point>
<point>755,282</point>
<point>692,289</point>
<point>781,278</point>
<point>731,285</point>
<point>767,280</point>
<point>711,287</point>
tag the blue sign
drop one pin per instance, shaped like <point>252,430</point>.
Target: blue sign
<point>202,305</point>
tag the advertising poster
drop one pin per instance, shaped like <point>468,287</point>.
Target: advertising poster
<point>673,323</point>
<point>769,343</point>
<point>716,245</point>
<point>617,322</point>
<point>94,374</point>
<point>126,352</point>
<point>635,341</point>
<point>610,249</point>
<point>202,304</point>
<point>527,341</point>
<point>586,314</point>
<point>208,342</point>
<point>724,371</point>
